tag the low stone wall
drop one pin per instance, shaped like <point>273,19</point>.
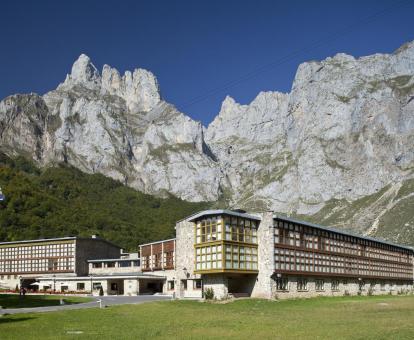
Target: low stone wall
<point>345,287</point>
<point>219,284</point>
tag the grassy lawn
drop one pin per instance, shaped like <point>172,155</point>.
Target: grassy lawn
<point>386,317</point>
<point>15,301</point>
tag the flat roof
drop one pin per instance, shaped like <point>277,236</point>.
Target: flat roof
<point>155,242</point>
<point>222,212</point>
<point>338,231</point>
<point>101,277</point>
<point>41,240</point>
<point>54,239</point>
<point>113,260</point>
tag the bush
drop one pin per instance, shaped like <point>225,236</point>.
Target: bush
<point>101,292</point>
<point>209,294</point>
<point>346,293</point>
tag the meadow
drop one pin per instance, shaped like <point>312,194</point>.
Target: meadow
<point>359,317</point>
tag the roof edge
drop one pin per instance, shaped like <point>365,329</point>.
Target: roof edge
<point>193,217</point>
<point>338,231</point>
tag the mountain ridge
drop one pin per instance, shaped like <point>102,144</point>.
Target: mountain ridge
<point>344,132</point>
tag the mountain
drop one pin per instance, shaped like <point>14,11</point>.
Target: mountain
<point>114,125</point>
<point>338,149</point>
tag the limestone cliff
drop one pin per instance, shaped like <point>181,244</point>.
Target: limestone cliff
<point>339,148</point>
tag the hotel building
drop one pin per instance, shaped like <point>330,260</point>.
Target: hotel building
<point>229,251</point>
<point>267,255</point>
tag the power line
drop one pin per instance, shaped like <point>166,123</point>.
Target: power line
<point>293,54</point>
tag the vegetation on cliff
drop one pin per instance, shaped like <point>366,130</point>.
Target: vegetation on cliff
<point>62,201</point>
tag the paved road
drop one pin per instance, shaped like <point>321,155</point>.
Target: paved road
<point>106,301</point>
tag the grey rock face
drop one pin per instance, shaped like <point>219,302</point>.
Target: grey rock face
<point>345,131</point>
<point>23,123</point>
<point>115,125</point>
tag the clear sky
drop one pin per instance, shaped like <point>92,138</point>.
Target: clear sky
<point>200,51</point>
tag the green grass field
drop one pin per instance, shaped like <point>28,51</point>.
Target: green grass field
<point>385,317</point>
<point>15,301</point>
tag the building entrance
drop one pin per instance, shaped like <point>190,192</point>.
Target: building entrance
<point>241,285</point>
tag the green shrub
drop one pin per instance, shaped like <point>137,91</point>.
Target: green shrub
<point>209,294</point>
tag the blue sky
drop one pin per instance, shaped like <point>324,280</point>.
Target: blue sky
<point>200,51</point>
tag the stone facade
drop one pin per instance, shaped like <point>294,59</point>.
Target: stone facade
<point>184,260</point>
<point>266,265</point>
<point>218,283</point>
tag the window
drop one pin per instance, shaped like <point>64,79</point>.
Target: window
<point>124,264</point>
<point>96,285</point>
<point>170,285</point>
<point>110,264</point>
<point>169,259</point>
<point>335,285</point>
<point>184,283</point>
<point>282,283</point>
<point>229,228</point>
<point>52,264</point>
<point>209,257</point>
<point>209,230</point>
<point>197,284</point>
<point>319,285</point>
<point>80,286</point>
<point>146,263</point>
<point>114,286</point>
<point>302,284</point>
<point>96,265</point>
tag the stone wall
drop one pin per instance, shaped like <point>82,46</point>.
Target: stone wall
<point>184,257</point>
<point>346,287</point>
<point>219,284</point>
<point>266,263</point>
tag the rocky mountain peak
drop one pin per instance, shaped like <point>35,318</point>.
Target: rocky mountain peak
<point>84,71</point>
<point>139,88</point>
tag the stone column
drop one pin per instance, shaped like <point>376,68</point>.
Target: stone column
<point>185,258</point>
<point>263,287</point>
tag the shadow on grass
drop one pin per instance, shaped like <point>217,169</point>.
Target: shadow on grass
<point>5,318</point>
<point>11,301</point>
